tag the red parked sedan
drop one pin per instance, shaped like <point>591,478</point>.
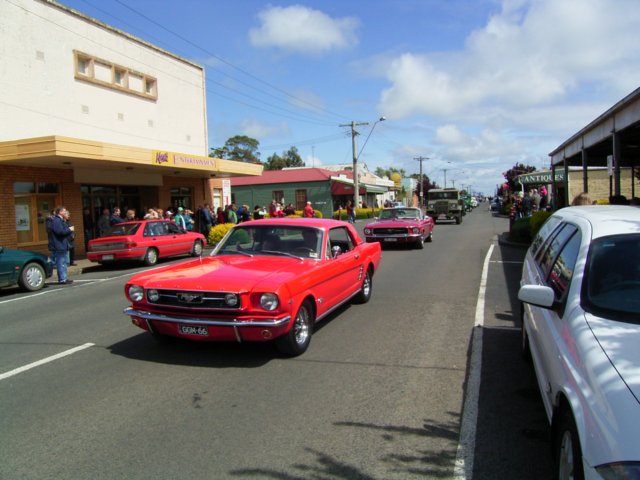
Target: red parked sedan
<point>146,241</point>
<point>403,225</point>
<point>267,280</point>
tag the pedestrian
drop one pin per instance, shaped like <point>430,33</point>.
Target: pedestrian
<point>351,214</point>
<point>104,222</point>
<point>71,257</point>
<point>220,216</point>
<point>308,211</point>
<point>115,216</point>
<point>188,219</point>
<point>232,217</point>
<point>582,198</point>
<point>130,215</point>
<point>289,210</point>
<point>59,238</point>
<point>87,225</point>
<point>206,219</point>
<point>180,220</point>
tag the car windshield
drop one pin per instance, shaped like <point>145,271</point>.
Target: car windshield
<point>612,286</point>
<point>122,229</point>
<point>279,240</point>
<point>399,213</point>
<point>442,196</point>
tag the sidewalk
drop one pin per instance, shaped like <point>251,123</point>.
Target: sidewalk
<point>81,264</point>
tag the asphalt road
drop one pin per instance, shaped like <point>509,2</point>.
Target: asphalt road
<point>378,395</point>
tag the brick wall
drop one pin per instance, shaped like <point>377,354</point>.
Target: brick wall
<point>69,196</point>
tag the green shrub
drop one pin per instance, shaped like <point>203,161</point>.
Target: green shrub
<point>521,230</point>
<point>536,221</point>
<point>219,231</point>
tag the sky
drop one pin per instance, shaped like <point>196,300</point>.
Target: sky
<point>473,87</point>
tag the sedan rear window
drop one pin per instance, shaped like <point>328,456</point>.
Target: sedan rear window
<point>122,229</point>
<point>612,286</point>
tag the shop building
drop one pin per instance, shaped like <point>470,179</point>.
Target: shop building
<point>95,118</point>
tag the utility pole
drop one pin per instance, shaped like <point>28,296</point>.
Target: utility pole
<point>445,177</point>
<point>421,201</point>
<point>356,187</point>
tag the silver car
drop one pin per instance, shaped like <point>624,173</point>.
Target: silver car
<point>580,290</point>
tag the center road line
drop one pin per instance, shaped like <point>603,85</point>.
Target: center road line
<point>24,368</point>
<point>463,468</point>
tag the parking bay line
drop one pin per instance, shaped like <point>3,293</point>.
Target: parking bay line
<point>24,368</point>
<point>463,468</point>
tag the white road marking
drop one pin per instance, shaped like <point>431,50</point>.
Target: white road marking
<point>24,368</point>
<point>463,468</point>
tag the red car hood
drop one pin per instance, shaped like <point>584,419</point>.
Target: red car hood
<point>225,273</point>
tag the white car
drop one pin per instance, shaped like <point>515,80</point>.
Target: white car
<point>580,290</point>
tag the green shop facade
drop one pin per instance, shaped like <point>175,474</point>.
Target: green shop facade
<point>326,191</point>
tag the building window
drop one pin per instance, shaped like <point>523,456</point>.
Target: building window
<point>33,202</point>
<point>301,199</point>
<point>278,196</point>
<point>108,74</point>
<point>181,197</point>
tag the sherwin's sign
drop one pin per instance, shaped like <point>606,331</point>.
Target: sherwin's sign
<point>180,160</point>
<point>540,178</point>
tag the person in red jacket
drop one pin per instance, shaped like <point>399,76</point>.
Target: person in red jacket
<point>308,210</point>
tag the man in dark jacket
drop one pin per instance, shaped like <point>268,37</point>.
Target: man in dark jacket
<point>60,242</point>
<point>115,217</point>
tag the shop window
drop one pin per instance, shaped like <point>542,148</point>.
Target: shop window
<point>301,199</point>
<point>33,203</point>
<point>182,197</point>
<point>278,196</point>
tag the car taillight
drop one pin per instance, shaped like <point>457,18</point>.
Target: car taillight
<point>130,244</point>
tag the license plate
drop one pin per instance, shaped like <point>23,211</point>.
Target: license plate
<point>390,239</point>
<point>442,217</point>
<point>107,257</point>
<point>194,330</point>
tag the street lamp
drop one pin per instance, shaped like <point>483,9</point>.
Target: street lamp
<point>353,125</point>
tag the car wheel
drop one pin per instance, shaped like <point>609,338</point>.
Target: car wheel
<point>296,340</point>
<point>459,219</point>
<point>566,449</point>
<point>430,237</point>
<point>151,257</point>
<point>420,243</point>
<point>525,348</point>
<point>32,277</point>
<point>196,251</point>
<point>364,295</point>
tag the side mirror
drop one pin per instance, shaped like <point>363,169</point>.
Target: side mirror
<point>539,295</point>
<point>336,251</point>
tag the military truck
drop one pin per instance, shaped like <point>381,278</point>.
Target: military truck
<point>445,204</point>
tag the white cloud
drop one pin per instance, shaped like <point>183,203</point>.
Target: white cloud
<point>304,30</point>
<point>531,53</point>
<point>258,130</point>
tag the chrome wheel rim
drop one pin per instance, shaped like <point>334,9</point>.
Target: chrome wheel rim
<point>197,248</point>
<point>366,285</point>
<point>301,326</point>
<point>152,256</point>
<point>565,457</point>
<point>34,277</point>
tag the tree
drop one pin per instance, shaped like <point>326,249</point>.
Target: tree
<point>511,174</point>
<point>239,148</point>
<point>290,158</point>
<point>386,172</point>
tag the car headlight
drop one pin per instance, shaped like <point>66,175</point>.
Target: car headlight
<point>415,230</point>
<point>153,295</point>
<point>367,231</point>
<point>136,293</point>
<point>619,471</point>
<point>269,301</point>
<point>231,299</point>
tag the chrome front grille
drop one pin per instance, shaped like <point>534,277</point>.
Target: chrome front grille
<point>390,231</point>
<point>193,299</point>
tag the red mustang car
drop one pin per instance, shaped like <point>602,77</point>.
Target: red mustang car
<point>266,280</point>
<point>144,240</point>
<point>402,225</point>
